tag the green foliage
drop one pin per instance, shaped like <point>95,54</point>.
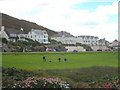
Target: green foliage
<point>88,48</point>
<point>41,82</point>
<point>85,74</point>
<point>108,82</point>
<point>13,78</point>
<point>95,77</point>
<point>4,40</point>
<point>27,46</point>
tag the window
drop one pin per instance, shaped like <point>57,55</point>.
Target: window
<point>44,36</point>
<point>31,36</point>
<point>13,35</point>
<point>44,40</point>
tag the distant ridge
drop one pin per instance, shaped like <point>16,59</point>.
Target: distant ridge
<point>11,22</point>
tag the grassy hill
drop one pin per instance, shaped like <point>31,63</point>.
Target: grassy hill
<point>12,22</point>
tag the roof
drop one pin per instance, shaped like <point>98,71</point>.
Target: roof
<point>13,31</point>
<point>115,41</point>
<point>103,40</point>
<point>38,31</point>
<point>63,33</point>
<point>88,36</point>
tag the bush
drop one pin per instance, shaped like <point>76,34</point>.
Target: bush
<point>4,40</point>
<point>41,82</point>
<point>106,83</point>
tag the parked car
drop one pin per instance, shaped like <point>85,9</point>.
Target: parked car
<point>107,50</point>
<point>99,50</point>
<point>75,51</point>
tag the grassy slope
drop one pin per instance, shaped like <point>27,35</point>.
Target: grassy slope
<point>33,61</point>
<point>12,22</point>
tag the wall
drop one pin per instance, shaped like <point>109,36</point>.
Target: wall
<point>72,48</point>
<point>95,48</point>
<point>3,33</point>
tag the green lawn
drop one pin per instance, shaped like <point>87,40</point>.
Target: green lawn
<point>33,61</point>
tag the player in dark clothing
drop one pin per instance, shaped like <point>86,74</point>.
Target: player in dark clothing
<point>65,59</point>
<point>44,58</point>
<point>59,59</point>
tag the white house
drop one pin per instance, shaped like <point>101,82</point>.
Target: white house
<point>89,40</point>
<point>67,38</point>
<point>12,34</point>
<point>103,42</point>
<point>38,35</point>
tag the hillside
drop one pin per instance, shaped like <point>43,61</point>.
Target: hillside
<point>12,22</point>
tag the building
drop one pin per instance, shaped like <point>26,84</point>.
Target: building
<point>115,44</point>
<point>64,37</point>
<point>12,34</point>
<point>67,38</point>
<point>38,35</point>
<point>89,40</point>
<point>103,42</point>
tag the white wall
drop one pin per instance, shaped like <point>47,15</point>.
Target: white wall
<point>72,48</point>
<point>41,38</point>
<point>74,40</point>
<point>3,33</point>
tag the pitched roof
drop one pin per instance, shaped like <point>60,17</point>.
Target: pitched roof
<point>88,36</point>
<point>63,33</point>
<point>13,31</point>
<point>38,31</point>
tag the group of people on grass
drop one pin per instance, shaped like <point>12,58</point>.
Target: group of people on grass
<point>59,59</point>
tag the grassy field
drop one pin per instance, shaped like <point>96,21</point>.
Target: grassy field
<point>34,61</point>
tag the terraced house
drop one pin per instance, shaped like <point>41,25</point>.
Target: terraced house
<point>67,38</point>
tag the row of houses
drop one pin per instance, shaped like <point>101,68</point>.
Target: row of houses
<point>67,38</point>
<point>64,37</point>
<point>19,35</point>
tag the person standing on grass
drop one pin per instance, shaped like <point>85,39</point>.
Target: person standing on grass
<point>59,59</point>
<point>44,58</point>
<point>65,60</point>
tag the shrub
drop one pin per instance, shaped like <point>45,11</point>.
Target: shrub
<point>106,83</point>
<point>4,40</point>
<point>41,82</point>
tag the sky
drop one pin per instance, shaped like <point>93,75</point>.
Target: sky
<point>78,17</point>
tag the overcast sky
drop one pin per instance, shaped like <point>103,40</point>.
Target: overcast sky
<point>79,17</point>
